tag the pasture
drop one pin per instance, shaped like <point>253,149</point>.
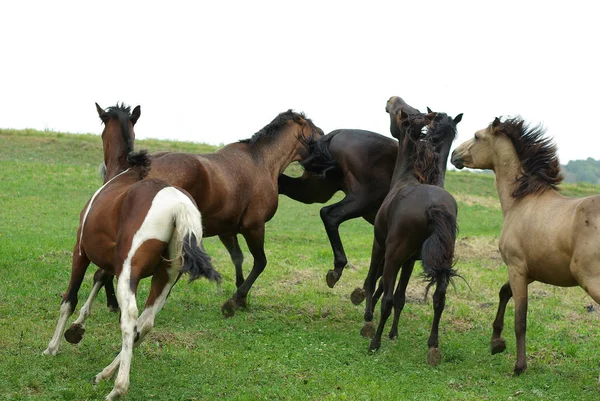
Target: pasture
<point>298,339</point>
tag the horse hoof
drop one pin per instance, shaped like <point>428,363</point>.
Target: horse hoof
<point>357,296</point>
<point>332,277</point>
<point>74,334</point>
<point>498,345</point>
<point>393,335</point>
<point>519,370</point>
<point>228,308</point>
<point>368,330</point>
<point>112,308</point>
<point>49,351</point>
<point>434,356</point>
<point>374,346</point>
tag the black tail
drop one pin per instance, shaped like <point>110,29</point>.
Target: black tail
<point>320,161</point>
<point>140,160</point>
<point>196,261</point>
<point>437,252</point>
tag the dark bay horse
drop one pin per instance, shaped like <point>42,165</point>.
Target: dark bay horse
<point>546,237</point>
<point>415,221</point>
<point>236,189</point>
<point>359,163</point>
<point>133,228</point>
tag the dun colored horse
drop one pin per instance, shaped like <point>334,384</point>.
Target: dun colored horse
<point>359,163</point>
<point>133,228</point>
<point>545,237</point>
<point>415,221</point>
<point>236,191</point>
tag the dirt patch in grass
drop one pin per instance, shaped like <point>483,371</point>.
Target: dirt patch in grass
<point>478,248</point>
<point>474,200</point>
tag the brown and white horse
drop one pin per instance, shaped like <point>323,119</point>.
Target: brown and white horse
<point>546,237</point>
<point>133,228</point>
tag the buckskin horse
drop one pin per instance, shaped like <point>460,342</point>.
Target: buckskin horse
<point>415,221</point>
<point>545,237</point>
<point>133,228</point>
<point>236,191</point>
<point>359,163</point>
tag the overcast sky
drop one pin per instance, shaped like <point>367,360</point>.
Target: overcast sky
<point>218,71</point>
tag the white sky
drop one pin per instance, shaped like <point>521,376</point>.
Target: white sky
<point>218,71</point>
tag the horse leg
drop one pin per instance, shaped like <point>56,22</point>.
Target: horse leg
<point>498,344</point>
<point>333,215</point>
<point>236,254</point>
<point>162,282</point>
<point>518,285</point>
<point>400,295</point>
<point>255,239</point>
<point>439,302</point>
<point>377,257</point>
<point>111,297</point>
<point>79,265</point>
<point>75,332</point>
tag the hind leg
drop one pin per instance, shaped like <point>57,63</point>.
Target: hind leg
<point>400,295</point>
<point>237,256</point>
<point>79,265</point>
<point>498,344</point>
<point>377,258</point>
<point>439,301</point>
<point>75,332</point>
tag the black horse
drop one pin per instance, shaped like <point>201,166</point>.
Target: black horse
<point>359,163</point>
<point>415,221</point>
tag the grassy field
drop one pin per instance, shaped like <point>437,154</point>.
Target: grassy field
<point>298,339</point>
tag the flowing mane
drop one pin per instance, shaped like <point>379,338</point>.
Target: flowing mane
<point>320,161</point>
<point>270,131</point>
<point>540,167</point>
<point>123,114</point>
<point>424,157</point>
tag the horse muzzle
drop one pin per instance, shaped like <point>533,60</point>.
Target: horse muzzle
<point>457,161</point>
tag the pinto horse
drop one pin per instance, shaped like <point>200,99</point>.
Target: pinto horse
<point>133,228</point>
<point>236,191</point>
<point>546,237</point>
<point>415,221</point>
<point>359,163</point>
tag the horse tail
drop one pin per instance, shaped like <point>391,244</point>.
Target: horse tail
<point>320,162</point>
<point>437,252</point>
<point>187,237</point>
<point>141,161</point>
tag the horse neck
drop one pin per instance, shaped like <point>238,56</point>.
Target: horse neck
<point>279,153</point>
<point>115,154</point>
<point>506,169</point>
<point>404,168</point>
<point>444,153</point>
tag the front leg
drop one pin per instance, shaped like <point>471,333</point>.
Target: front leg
<point>518,285</point>
<point>255,238</point>
<point>498,344</point>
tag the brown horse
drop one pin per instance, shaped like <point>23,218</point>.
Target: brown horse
<point>545,237</point>
<point>133,228</point>
<point>415,221</point>
<point>236,191</point>
<point>359,163</point>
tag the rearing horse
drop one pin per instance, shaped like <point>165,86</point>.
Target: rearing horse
<point>236,189</point>
<point>133,228</point>
<point>415,221</point>
<point>545,237</point>
<point>359,163</point>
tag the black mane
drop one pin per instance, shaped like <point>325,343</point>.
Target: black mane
<point>320,161</point>
<point>270,131</point>
<point>122,113</point>
<point>540,167</point>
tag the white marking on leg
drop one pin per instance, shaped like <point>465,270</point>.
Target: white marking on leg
<point>86,309</point>
<point>87,211</point>
<point>65,312</point>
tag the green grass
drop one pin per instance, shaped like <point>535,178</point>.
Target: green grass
<point>298,340</point>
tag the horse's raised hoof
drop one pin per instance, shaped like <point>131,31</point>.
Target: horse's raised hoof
<point>434,356</point>
<point>229,307</point>
<point>368,330</point>
<point>75,333</point>
<point>332,277</point>
<point>498,345</point>
<point>357,296</point>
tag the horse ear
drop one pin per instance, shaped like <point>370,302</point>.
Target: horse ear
<point>135,114</point>
<point>496,122</point>
<point>429,110</point>
<point>458,118</point>
<point>102,114</point>
<point>403,114</point>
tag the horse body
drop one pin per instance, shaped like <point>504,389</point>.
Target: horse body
<point>415,221</point>
<point>545,237</point>
<point>132,228</point>
<point>361,164</point>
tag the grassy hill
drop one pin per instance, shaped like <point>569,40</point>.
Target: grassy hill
<point>298,339</point>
